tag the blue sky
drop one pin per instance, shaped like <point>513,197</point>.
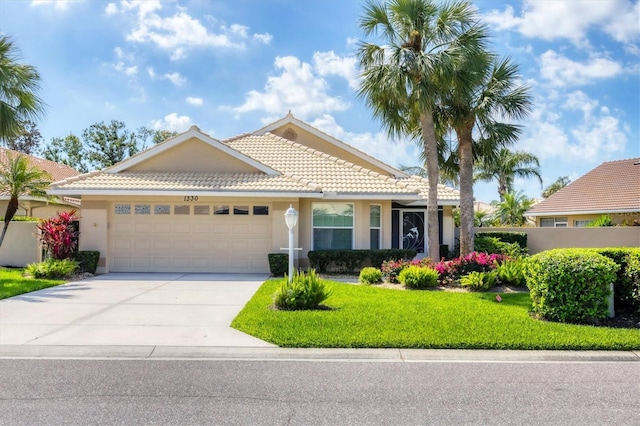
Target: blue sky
<point>233,66</point>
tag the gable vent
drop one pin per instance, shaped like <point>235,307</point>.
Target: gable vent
<point>290,134</point>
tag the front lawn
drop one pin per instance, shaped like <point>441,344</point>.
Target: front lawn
<point>12,283</point>
<point>369,317</point>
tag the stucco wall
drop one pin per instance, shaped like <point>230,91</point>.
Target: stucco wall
<point>20,246</point>
<point>617,218</point>
<point>541,239</point>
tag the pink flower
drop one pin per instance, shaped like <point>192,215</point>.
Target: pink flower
<point>498,298</point>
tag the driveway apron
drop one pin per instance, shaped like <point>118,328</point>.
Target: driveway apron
<point>119,309</point>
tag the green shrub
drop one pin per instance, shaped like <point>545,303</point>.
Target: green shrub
<point>627,285</point>
<point>570,285</point>
<point>511,272</point>
<point>352,260</point>
<point>305,291</point>
<point>370,275</point>
<point>519,238</point>
<point>600,221</point>
<point>478,281</point>
<point>278,264</point>
<point>418,277</point>
<point>52,269</point>
<point>87,260</point>
<point>495,245</point>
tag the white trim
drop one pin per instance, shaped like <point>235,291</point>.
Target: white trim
<point>290,119</point>
<point>187,192</point>
<point>379,227</point>
<point>574,213</point>
<point>193,132</point>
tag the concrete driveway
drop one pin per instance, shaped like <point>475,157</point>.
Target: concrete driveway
<point>133,310</point>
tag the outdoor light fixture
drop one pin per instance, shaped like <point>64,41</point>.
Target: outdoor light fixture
<point>291,218</point>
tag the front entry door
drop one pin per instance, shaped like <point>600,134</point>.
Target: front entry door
<point>413,231</point>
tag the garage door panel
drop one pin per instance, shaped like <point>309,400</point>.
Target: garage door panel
<point>186,243</point>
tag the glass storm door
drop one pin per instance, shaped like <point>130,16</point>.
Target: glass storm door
<point>413,231</point>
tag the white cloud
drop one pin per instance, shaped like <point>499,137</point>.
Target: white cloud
<point>297,88</point>
<point>579,100</point>
<point>328,63</point>
<point>172,122</point>
<point>598,139</point>
<point>151,72</point>
<point>562,71</point>
<point>57,4</point>
<point>180,32</point>
<point>194,101</point>
<point>175,78</point>
<point>570,19</point>
<point>111,9</point>
<point>130,71</point>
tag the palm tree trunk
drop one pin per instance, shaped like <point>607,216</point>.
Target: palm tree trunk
<point>12,208</point>
<point>465,152</point>
<point>430,144</point>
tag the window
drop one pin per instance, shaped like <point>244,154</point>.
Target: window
<point>554,222</point>
<point>123,208</point>
<point>332,226</point>
<point>201,210</point>
<point>260,210</point>
<point>182,209</point>
<point>240,210</point>
<point>143,209</point>
<point>581,223</point>
<point>220,209</point>
<point>161,209</point>
<point>374,226</point>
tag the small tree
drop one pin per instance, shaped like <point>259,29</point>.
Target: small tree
<point>59,235</point>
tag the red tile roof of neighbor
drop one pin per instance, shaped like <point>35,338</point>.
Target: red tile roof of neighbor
<point>56,170</point>
<point>611,187</point>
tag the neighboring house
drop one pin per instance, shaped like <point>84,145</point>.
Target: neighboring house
<point>40,207</point>
<point>197,204</point>
<point>612,188</point>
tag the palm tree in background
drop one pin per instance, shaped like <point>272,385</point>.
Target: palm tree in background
<point>510,211</point>
<point>402,79</point>
<point>471,112</point>
<point>19,85</point>
<point>19,178</point>
<point>506,166</point>
<point>556,186</point>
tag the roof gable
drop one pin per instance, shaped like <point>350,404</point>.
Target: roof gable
<point>612,187</point>
<point>302,133</point>
<point>191,151</point>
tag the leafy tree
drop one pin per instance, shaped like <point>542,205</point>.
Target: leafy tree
<point>156,136</point>
<point>108,144</point>
<point>510,211</point>
<point>506,166</point>
<point>483,87</point>
<point>19,86</point>
<point>556,186</point>
<point>68,150</point>
<point>18,178</point>
<point>28,140</point>
<point>402,77</point>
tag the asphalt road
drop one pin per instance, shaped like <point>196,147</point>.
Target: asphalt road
<point>177,392</point>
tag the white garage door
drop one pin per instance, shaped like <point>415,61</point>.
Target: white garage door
<point>162,237</point>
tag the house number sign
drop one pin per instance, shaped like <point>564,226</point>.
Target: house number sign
<point>190,198</point>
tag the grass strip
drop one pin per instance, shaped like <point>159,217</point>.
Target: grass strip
<point>369,317</point>
<point>12,283</point>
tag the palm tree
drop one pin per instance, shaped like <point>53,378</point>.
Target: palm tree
<point>18,178</point>
<point>483,87</point>
<point>556,186</point>
<point>19,85</point>
<point>401,80</point>
<point>506,166</point>
<point>510,211</point>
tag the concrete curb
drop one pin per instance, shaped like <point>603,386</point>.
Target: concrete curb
<point>289,354</point>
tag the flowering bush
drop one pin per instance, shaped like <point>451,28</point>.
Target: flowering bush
<point>451,270</point>
<point>392,268</point>
<point>59,235</point>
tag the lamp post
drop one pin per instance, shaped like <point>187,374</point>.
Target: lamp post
<point>291,219</point>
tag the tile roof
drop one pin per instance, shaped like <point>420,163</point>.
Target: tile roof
<point>56,171</point>
<point>301,169</point>
<point>613,186</point>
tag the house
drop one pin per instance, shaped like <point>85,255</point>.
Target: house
<point>612,188</point>
<point>197,204</point>
<point>39,207</point>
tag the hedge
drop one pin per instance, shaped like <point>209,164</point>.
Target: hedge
<point>278,264</point>
<point>570,285</point>
<point>519,238</point>
<point>87,260</point>
<point>627,284</point>
<point>353,260</point>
